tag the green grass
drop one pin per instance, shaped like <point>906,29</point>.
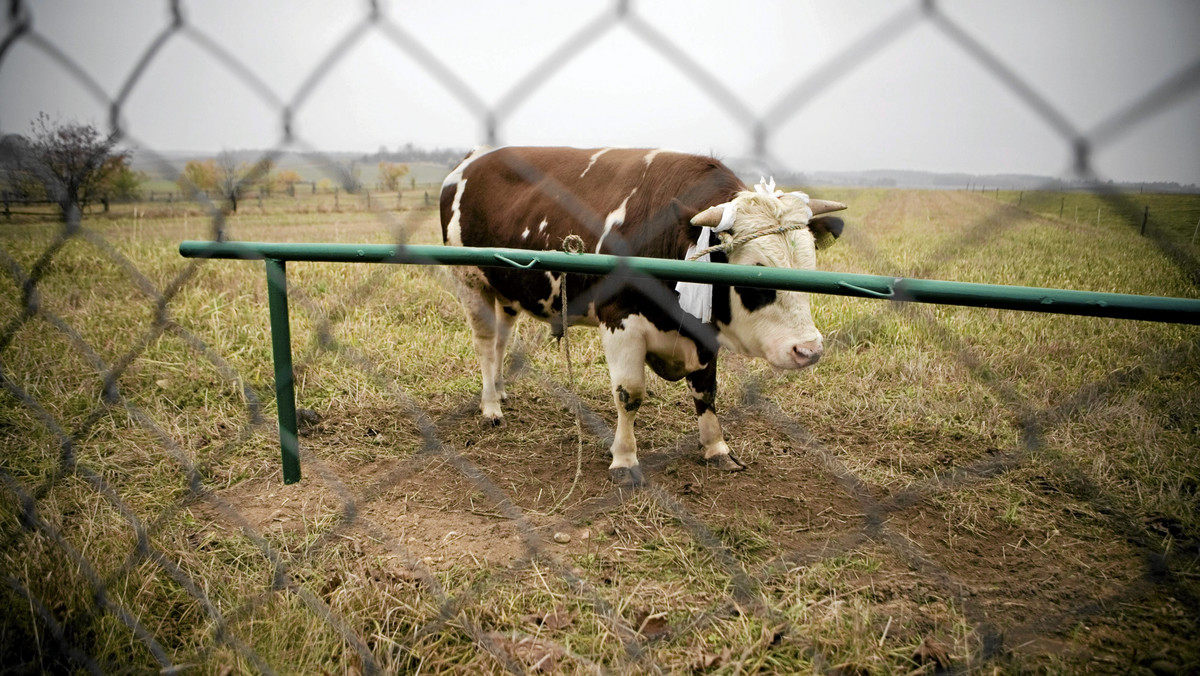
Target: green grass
<point>945,477</point>
<point>1172,216</point>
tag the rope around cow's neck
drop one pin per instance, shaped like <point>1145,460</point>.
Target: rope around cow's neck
<point>740,240</point>
<point>765,188</point>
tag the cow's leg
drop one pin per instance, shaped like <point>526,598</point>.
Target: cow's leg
<point>480,307</point>
<point>506,316</point>
<point>625,352</point>
<point>703,384</point>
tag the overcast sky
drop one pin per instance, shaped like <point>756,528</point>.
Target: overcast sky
<point>845,85</point>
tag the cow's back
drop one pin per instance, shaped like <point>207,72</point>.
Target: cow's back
<point>617,200</point>
<point>635,202</point>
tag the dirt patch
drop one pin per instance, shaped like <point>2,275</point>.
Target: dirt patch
<point>1040,581</point>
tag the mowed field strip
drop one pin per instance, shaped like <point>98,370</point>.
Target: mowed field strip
<point>950,488</point>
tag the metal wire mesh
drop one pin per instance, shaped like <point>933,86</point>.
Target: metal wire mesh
<point>288,574</point>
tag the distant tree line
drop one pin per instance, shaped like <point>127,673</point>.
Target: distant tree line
<point>411,153</point>
<point>230,178</point>
<point>224,175</point>
<point>74,165</point>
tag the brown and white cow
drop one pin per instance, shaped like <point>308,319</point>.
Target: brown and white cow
<point>639,203</point>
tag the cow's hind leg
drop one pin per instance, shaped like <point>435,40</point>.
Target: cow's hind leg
<point>481,309</point>
<point>506,317</point>
<point>703,384</point>
<point>626,355</point>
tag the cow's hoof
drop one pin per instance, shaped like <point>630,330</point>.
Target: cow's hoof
<point>725,462</point>
<point>491,421</point>
<point>626,477</point>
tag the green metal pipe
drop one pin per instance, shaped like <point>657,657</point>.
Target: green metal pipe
<point>285,381</point>
<point>1150,308</point>
<point>1031,299</point>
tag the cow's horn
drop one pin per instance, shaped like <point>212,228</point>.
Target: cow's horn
<point>824,207</point>
<point>710,217</point>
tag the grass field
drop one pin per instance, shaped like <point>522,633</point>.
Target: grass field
<point>952,489</point>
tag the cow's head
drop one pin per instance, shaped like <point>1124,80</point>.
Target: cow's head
<point>780,230</point>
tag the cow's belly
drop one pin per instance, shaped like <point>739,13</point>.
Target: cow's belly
<point>667,369</point>
<point>669,354</point>
<point>535,293</point>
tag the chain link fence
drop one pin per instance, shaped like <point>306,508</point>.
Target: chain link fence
<point>165,600</point>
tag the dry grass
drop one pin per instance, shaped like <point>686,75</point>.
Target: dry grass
<point>987,490</point>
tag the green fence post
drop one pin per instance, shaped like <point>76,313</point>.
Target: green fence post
<point>285,382</point>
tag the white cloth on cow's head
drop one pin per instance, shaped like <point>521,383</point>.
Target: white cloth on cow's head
<point>765,187</point>
<point>694,297</point>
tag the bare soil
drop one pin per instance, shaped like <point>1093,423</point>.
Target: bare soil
<point>1084,595</point>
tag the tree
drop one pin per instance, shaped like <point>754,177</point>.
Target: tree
<point>198,175</point>
<point>390,174</point>
<point>120,181</point>
<point>229,177</point>
<point>263,173</point>
<point>73,163</point>
<point>287,180</point>
<point>23,178</point>
<point>349,174</point>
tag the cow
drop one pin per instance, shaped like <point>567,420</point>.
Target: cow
<point>635,202</point>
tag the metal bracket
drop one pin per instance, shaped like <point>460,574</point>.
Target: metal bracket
<point>891,291</point>
<point>515,264</point>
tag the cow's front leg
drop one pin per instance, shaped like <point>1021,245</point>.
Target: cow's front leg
<point>625,352</point>
<point>703,384</point>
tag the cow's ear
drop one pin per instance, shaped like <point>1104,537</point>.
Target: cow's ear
<point>826,230</point>
<point>682,212</point>
<point>669,218</point>
<point>677,213</point>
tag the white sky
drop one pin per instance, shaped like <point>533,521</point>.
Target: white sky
<point>917,101</point>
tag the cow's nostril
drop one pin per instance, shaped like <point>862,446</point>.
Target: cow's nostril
<point>805,355</point>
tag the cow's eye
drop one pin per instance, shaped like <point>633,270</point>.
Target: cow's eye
<point>753,298</point>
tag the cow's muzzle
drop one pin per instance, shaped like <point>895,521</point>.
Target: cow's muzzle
<point>805,354</point>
